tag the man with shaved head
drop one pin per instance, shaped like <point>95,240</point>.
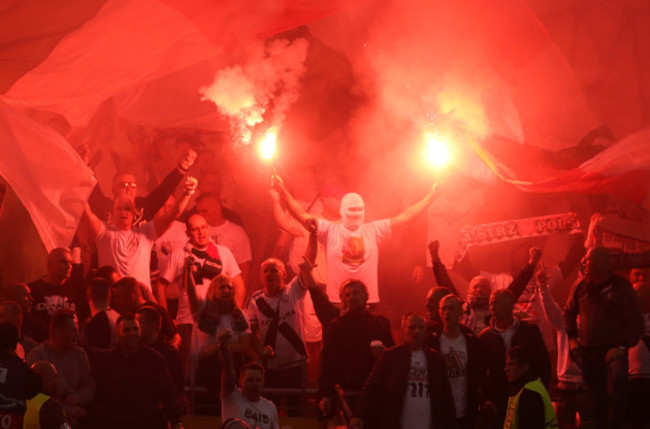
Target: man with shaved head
<point>610,323</point>
<point>408,387</point>
<point>464,358</point>
<point>128,248</point>
<point>61,288</point>
<point>44,410</point>
<point>276,316</point>
<point>21,295</point>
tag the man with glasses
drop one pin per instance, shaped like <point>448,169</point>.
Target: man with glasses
<point>125,184</point>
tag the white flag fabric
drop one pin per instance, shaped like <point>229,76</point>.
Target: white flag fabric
<point>46,173</point>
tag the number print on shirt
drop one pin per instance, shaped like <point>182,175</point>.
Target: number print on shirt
<point>419,390</point>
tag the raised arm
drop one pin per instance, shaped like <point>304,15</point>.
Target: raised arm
<point>285,222</point>
<point>552,310</point>
<point>190,286</point>
<point>93,224</point>
<point>162,223</point>
<point>294,208</point>
<point>325,310</point>
<point>519,283</point>
<point>312,243</point>
<point>157,198</point>
<point>439,269</point>
<point>407,215</point>
<point>571,311</point>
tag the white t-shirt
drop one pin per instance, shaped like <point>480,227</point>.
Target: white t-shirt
<point>289,306</point>
<point>234,238</point>
<point>174,238</point>
<point>173,271</point>
<point>129,252</point>
<point>508,334</point>
<point>416,413</point>
<point>352,254</point>
<point>259,415</point>
<point>455,354</point>
<point>201,339</point>
<point>639,355</point>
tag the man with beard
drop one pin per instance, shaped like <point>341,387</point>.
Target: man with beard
<point>352,246</point>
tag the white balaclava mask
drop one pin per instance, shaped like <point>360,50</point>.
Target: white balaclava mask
<point>352,219</point>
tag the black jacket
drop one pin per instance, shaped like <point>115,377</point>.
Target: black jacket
<point>610,313</point>
<point>526,335</point>
<point>476,370</point>
<point>347,357</point>
<point>382,399</point>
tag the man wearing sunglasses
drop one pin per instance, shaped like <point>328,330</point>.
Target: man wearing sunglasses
<point>125,184</point>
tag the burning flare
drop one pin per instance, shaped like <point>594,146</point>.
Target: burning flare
<point>437,151</point>
<point>267,146</point>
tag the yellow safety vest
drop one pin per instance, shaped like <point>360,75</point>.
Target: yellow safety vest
<point>512,414</point>
<point>32,419</point>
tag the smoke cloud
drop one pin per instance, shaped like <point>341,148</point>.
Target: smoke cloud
<point>263,87</point>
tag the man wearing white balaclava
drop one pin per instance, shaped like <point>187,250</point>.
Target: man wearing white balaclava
<point>352,211</point>
<point>352,245</point>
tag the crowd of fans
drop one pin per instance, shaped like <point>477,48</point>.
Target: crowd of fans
<point>117,345</point>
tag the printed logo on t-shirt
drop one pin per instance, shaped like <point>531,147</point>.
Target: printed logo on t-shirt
<point>256,416</point>
<point>418,381</point>
<point>456,362</point>
<point>353,250</point>
<point>53,303</point>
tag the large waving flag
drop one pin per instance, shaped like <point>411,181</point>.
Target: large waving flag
<point>46,173</point>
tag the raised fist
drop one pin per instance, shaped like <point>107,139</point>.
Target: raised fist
<point>312,225</point>
<point>434,247</point>
<point>190,185</point>
<point>535,255</point>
